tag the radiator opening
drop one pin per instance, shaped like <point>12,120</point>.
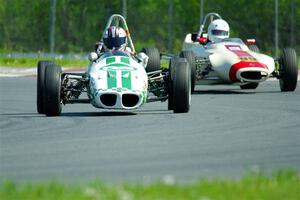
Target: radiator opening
<point>108,99</point>
<point>130,100</point>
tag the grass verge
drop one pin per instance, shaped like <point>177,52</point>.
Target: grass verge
<point>281,185</point>
<point>32,62</point>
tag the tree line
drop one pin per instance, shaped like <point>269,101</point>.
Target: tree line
<point>24,25</point>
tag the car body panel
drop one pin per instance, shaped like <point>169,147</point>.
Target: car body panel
<point>117,75</point>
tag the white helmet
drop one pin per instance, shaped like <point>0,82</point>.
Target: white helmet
<point>114,37</point>
<point>218,30</point>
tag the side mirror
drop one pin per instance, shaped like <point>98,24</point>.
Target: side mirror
<point>202,40</point>
<point>194,37</point>
<point>250,41</point>
<point>92,56</point>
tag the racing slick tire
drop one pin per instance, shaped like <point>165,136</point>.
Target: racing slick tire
<point>170,84</point>
<point>41,67</point>
<point>181,86</point>
<point>154,59</point>
<point>52,90</point>
<point>288,70</point>
<point>190,56</point>
<point>249,86</point>
<point>254,48</point>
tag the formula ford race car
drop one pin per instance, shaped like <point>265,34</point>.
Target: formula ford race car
<point>115,80</point>
<point>231,61</point>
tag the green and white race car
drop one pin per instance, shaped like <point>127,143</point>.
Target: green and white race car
<point>115,80</point>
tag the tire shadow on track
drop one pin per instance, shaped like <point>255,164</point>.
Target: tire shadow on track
<point>233,92</point>
<point>20,115</point>
<point>87,114</point>
<point>221,92</point>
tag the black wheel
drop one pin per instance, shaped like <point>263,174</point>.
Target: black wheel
<point>41,67</point>
<point>154,59</point>
<point>170,85</point>
<point>249,86</point>
<point>288,70</point>
<point>181,86</point>
<point>190,56</point>
<point>254,48</point>
<point>52,90</point>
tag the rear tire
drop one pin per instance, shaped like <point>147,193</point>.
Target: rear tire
<point>41,67</point>
<point>52,90</point>
<point>190,56</point>
<point>154,59</point>
<point>181,86</point>
<point>288,70</point>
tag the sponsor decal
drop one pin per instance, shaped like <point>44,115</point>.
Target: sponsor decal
<point>243,55</point>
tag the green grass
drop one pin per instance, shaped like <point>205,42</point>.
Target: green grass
<point>32,62</point>
<point>282,185</point>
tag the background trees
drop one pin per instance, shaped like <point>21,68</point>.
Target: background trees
<point>24,25</point>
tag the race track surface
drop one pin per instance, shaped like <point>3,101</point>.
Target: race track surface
<point>227,132</point>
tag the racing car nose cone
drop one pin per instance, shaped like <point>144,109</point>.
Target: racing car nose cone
<point>250,69</point>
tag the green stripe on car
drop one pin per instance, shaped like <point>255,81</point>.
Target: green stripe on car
<point>126,79</point>
<point>110,60</point>
<point>111,79</point>
<point>125,60</point>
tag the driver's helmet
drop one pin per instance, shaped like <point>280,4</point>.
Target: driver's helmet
<point>218,30</point>
<point>114,38</point>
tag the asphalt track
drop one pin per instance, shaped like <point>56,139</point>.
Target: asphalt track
<point>227,133</point>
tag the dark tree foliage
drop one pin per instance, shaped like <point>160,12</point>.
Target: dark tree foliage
<point>24,25</point>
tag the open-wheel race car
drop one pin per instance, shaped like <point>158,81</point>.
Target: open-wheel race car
<point>115,79</point>
<point>217,59</point>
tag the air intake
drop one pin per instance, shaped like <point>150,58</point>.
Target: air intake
<point>253,75</point>
<point>108,99</point>
<point>130,100</point>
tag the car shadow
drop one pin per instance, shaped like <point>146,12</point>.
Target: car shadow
<point>20,115</point>
<point>97,114</point>
<point>221,92</point>
<point>68,114</point>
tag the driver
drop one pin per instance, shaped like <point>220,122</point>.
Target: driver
<point>115,41</point>
<point>218,30</point>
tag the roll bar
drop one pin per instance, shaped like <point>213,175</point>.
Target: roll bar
<point>204,22</point>
<point>119,20</point>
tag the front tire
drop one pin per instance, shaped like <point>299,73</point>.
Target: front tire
<point>181,86</point>
<point>41,67</point>
<point>190,56</point>
<point>288,70</point>
<point>154,59</point>
<point>52,90</point>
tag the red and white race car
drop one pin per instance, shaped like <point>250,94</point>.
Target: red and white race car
<point>231,61</point>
